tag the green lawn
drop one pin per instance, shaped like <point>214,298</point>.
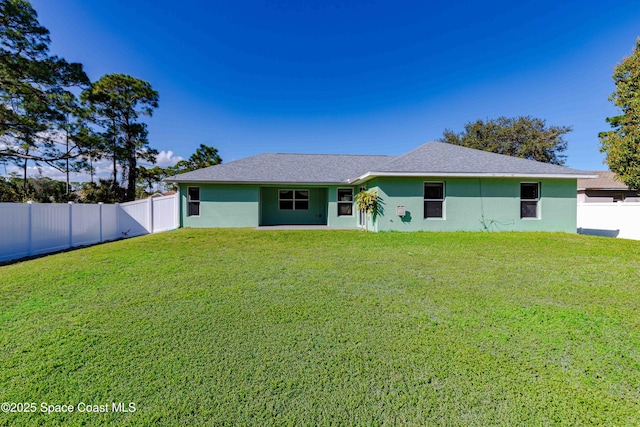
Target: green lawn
<point>245,327</point>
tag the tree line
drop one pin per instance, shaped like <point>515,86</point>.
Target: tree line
<point>52,114</point>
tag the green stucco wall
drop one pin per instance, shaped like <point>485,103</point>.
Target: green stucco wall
<point>222,206</point>
<point>475,204</point>
<point>233,205</point>
<point>334,219</point>
<point>471,204</point>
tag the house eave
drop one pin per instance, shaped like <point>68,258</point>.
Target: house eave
<point>240,182</point>
<point>604,189</point>
<point>370,175</point>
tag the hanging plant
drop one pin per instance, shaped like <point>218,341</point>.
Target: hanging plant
<point>368,202</point>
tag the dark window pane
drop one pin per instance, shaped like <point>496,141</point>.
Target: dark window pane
<point>286,205</point>
<point>433,209</point>
<point>286,194</point>
<point>302,205</point>
<point>434,190</point>
<point>529,191</point>
<point>528,209</point>
<point>302,194</point>
<point>345,195</point>
<point>194,193</point>
<point>194,208</point>
<point>345,209</point>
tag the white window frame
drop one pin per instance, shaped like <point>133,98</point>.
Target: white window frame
<point>537,200</point>
<point>293,199</point>
<point>344,202</point>
<point>190,201</point>
<point>444,196</point>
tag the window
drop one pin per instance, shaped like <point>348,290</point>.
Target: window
<point>193,201</point>
<point>529,198</point>
<point>293,200</point>
<point>345,201</point>
<point>434,199</point>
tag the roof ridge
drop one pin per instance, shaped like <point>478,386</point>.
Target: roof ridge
<point>398,158</point>
<point>331,154</point>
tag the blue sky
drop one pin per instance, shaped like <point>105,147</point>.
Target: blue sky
<point>333,76</point>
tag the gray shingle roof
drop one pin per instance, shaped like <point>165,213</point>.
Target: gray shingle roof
<point>284,168</point>
<point>440,157</point>
<point>429,159</point>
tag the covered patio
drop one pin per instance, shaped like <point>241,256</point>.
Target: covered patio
<point>293,205</point>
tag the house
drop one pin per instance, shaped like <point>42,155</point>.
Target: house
<point>435,187</point>
<point>604,189</point>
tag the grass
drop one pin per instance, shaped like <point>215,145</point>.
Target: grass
<point>244,327</point>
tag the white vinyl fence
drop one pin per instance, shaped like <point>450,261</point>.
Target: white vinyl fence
<point>37,228</point>
<point>610,219</point>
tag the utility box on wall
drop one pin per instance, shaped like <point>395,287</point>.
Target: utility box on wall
<point>401,211</point>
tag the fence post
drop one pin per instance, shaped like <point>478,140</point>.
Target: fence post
<point>100,215</point>
<point>118,232</point>
<point>150,199</point>
<point>70,224</point>
<point>30,229</point>
<point>176,209</point>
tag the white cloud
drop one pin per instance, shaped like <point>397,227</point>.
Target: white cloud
<point>166,158</point>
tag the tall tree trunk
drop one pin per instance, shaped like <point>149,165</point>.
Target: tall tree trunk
<point>130,148</point>
<point>67,141</point>
<point>115,170</point>
<point>24,174</point>
<point>91,166</point>
<point>131,183</point>
<point>114,184</point>
<point>24,167</point>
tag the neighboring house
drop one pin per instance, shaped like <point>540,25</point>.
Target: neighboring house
<point>165,194</point>
<point>604,189</point>
<point>436,187</point>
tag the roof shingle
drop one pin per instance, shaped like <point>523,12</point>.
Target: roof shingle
<point>605,181</point>
<point>434,157</point>
<point>428,159</point>
<point>287,168</point>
